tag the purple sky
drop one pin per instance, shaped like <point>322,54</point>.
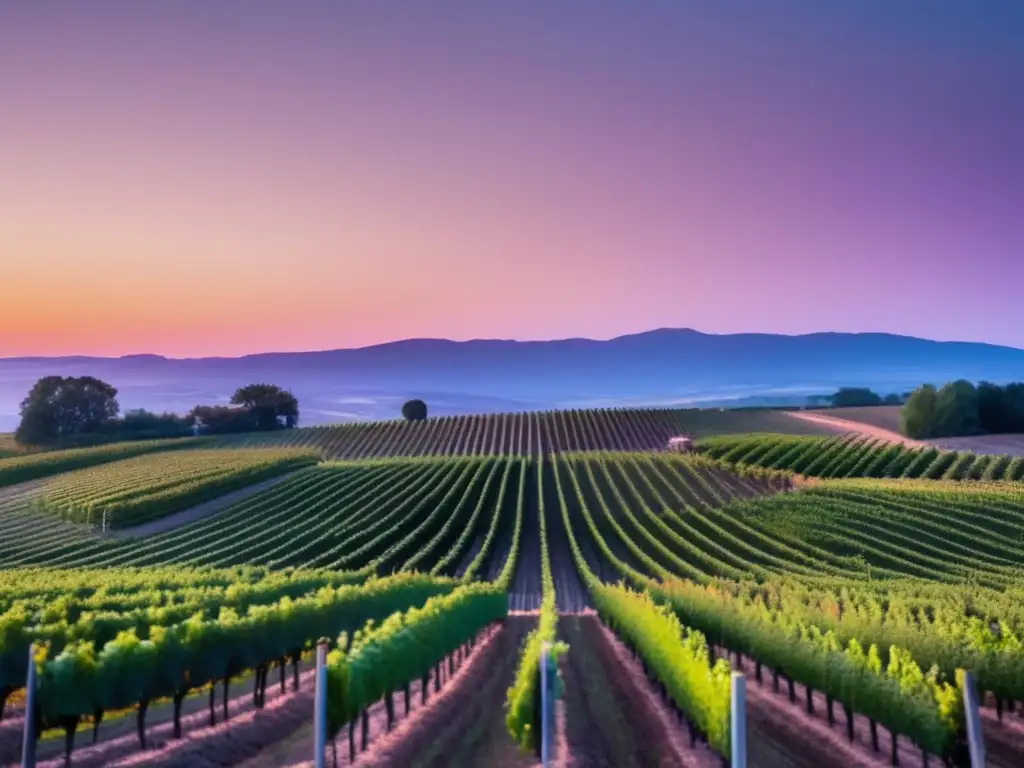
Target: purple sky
<point>211,178</point>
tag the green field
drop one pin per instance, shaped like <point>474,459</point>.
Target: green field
<point>871,583</point>
<point>855,456</point>
<point>527,434</point>
<point>124,493</point>
<point>32,466</point>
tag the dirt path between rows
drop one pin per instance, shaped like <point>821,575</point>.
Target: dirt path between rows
<point>230,742</point>
<point>845,425</point>
<point>121,730</point>
<point>783,733</point>
<point>465,723</point>
<point>121,747</point>
<point>614,717</point>
<point>198,512</point>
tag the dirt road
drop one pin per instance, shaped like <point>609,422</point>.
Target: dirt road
<point>845,425</point>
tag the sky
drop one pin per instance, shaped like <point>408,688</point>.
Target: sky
<point>209,178</point>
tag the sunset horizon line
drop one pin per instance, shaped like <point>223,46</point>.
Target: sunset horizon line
<point>471,340</point>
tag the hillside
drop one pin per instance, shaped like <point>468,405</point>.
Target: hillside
<point>660,367</point>
<point>458,546</point>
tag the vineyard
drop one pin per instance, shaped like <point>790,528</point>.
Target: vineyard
<point>854,456</point>
<point>31,466</point>
<point>850,580</point>
<point>523,434</point>
<point>135,491</point>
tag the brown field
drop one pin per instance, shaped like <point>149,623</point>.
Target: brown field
<point>879,420</point>
<point>833,421</point>
<point>1012,445</point>
<point>882,416</point>
<point>8,447</point>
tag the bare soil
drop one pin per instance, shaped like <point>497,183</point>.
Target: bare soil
<point>572,596</point>
<point>228,743</point>
<point>883,423</point>
<point>1004,739</point>
<point>526,593</point>
<point>121,727</point>
<point>783,733</point>
<point>883,416</point>
<point>118,741</point>
<point>464,724</point>
<point>840,426</point>
<point>1011,445</point>
<point>614,717</point>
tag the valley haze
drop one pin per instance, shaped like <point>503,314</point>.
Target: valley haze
<point>664,367</point>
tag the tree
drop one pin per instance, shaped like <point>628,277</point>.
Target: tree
<point>917,419</point>
<point>140,424</point>
<point>414,410</point>
<point>893,399</point>
<point>992,407</point>
<point>59,407</point>
<point>220,419</point>
<point>852,397</point>
<point>1013,401</point>
<point>956,410</point>
<point>269,406</point>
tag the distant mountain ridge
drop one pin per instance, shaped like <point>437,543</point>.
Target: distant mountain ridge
<point>662,366</point>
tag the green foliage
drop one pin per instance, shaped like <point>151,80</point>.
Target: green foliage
<point>269,406</point>
<point>772,458</point>
<point>956,409</point>
<point>33,466</point>
<point>677,656</point>
<point>855,397</point>
<point>414,410</point>
<point>504,580</point>
<point>403,647</point>
<point>526,433</point>
<point>522,717</point>
<point>136,490</point>
<point>61,406</point>
<point>919,416</point>
<point>960,408</point>
<point>200,649</point>
<point>903,698</point>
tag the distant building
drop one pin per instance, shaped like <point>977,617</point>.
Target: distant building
<point>680,444</point>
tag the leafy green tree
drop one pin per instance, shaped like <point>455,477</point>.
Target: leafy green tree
<point>414,410</point>
<point>269,406</point>
<point>893,399</point>
<point>141,424</point>
<point>853,397</point>
<point>917,419</point>
<point>221,419</point>
<point>992,407</point>
<point>1013,403</point>
<point>59,407</point>
<point>956,410</point>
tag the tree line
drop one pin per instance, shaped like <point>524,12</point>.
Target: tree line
<point>860,397</point>
<point>68,411</point>
<point>960,408</point>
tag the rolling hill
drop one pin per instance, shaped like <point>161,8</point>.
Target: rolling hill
<point>659,367</point>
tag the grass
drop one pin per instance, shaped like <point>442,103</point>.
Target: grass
<point>9,448</point>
